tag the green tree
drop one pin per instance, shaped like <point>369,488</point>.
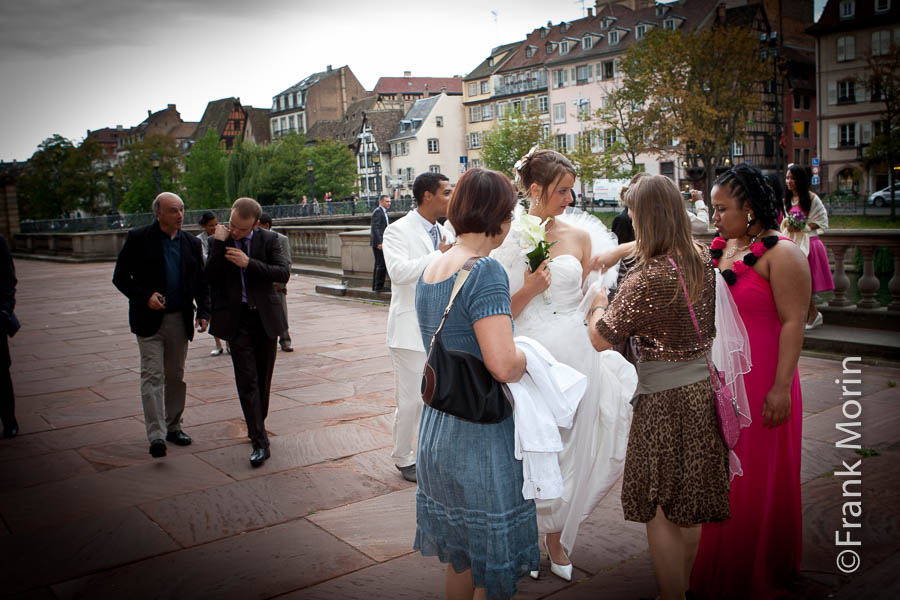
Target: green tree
<point>279,174</point>
<point>511,139</point>
<point>883,81</point>
<point>42,187</point>
<point>701,88</point>
<point>588,165</point>
<point>204,177</point>
<point>623,113</point>
<point>137,173</point>
<point>238,168</point>
<point>334,167</point>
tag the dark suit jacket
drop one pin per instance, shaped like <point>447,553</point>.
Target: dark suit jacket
<point>141,271</point>
<point>268,265</point>
<point>7,290</point>
<point>379,224</point>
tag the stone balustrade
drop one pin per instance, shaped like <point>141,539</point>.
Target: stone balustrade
<point>865,241</point>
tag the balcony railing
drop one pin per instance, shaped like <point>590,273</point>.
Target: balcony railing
<point>520,87</point>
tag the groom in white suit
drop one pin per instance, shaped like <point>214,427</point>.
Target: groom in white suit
<point>410,244</point>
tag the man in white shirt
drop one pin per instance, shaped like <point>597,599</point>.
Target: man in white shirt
<point>700,220</point>
<point>410,244</point>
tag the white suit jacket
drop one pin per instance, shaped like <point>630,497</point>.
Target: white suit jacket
<point>408,249</point>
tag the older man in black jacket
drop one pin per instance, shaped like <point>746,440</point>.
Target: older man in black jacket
<point>160,270</point>
<point>245,261</point>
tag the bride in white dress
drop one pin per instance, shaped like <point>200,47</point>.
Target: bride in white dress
<point>593,455</point>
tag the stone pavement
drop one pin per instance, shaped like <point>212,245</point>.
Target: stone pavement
<point>87,513</point>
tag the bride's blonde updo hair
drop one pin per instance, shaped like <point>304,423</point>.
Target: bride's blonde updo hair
<point>542,167</point>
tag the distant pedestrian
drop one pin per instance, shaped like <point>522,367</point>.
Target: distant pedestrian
<point>160,270</point>
<point>265,221</point>
<point>9,325</point>
<point>208,222</point>
<point>316,208</point>
<point>380,222</point>
<point>329,206</point>
<point>304,207</point>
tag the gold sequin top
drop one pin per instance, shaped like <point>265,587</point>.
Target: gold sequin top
<point>643,308</point>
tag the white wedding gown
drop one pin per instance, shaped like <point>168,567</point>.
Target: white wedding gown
<point>593,455</point>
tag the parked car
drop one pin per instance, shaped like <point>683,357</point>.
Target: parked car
<point>883,197</point>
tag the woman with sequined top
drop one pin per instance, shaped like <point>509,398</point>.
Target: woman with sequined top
<point>676,466</point>
<point>757,552</point>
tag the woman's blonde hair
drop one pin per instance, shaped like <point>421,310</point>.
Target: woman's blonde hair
<point>662,228</point>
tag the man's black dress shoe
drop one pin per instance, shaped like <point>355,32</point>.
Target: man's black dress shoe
<point>12,430</point>
<point>179,438</point>
<point>157,448</point>
<point>408,473</point>
<point>259,456</point>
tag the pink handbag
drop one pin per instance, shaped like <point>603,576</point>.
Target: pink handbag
<point>726,405</point>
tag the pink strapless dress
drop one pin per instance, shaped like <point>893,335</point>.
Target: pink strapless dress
<point>757,552</point>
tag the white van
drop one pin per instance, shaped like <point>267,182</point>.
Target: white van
<point>606,191</point>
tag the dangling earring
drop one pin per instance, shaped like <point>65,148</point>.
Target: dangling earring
<point>749,218</point>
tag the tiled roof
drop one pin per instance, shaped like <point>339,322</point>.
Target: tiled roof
<point>864,17</point>
<point>419,112</point>
<point>418,85</point>
<point>184,131</point>
<point>310,80</point>
<point>486,68</point>
<point>258,119</point>
<point>381,122</point>
<point>107,135</point>
<point>215,116</point>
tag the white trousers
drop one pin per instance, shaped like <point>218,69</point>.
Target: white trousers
<point>408,366</point>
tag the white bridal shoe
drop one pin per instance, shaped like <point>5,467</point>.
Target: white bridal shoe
<point>816,322</point>
<point>561,571</point>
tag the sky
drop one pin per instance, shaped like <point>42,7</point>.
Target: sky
<point>67,66</point>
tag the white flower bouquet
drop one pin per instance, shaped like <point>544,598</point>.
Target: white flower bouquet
<point>533,241</point>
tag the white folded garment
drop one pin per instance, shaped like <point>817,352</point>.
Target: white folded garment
<point>545,399</point>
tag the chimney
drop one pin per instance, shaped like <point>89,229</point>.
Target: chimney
<point>328,68</point>
<point>149,112</point>
<point>407,73</point>
<point>550,23</point>
<point>119,128</point>
<point>170,107</point>
<point>590,12</point>
<point>443,89</point>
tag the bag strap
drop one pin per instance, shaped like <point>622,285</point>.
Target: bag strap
<point>461,276</point>
<point>687,298</point>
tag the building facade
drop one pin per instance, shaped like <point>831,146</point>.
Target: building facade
<point>849,113</point>
<point>319,97</point>
<point>430,137</point>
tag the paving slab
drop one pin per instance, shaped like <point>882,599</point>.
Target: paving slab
<point>27,472</point>
<point>261,564</point>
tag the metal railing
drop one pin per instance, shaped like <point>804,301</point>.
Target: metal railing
<point>191,217</point>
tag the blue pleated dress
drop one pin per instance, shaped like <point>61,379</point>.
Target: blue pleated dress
<point>469,506</point>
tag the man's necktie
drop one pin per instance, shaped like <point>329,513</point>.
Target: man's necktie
<point>435,236</point>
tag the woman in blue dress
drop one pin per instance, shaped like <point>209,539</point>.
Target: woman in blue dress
<point>470,512</point>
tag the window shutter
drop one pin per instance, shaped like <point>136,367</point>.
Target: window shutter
<point>851,47</point>
<point>832,136</point>
<point>590,70</point>
<point>832,92</point>
<point>570,141</point>
<point>841,49</point>
<point>866,135</point>
<point>856,132</point>
<point>865,94</point>
<point>615,68</point>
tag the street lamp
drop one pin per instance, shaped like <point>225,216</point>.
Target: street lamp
<point>580,114</point>
<point>154,160</point>
<point>112,189</point>
<point>312,179</point>
<point>366,138</point>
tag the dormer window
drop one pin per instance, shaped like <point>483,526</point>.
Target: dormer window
<point>640,31</point>
<point>605,23</point>
<point>550,47</point>
<point>669,24</point>
<point>491,61</point>
<point>564,47</point>
<point>544,32</point>
<point>613,38</point>
<point>563,27</point>
<point>848,9</point>
<point>882,6</point>
<point>661,10</point>
<point>587,42</point>
<point>530,50</point>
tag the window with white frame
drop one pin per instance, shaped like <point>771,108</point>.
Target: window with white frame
<point>473,88</point>
<point>515,105</point>
<point>596,142</point>
<point>275,126</point>
<point>290,101</point>
<point>847,135</point>
<point>502,108</point>
<point>661,10</point>
<point>669,24</point>
<point>640,31</point>
<point>439,121</point>
<point>475,139</point>
<point>291,122</point>
<point>846,48</point>
<point>433,146</point>
<point>487,112</point>
<point>529,51</point>
<point>560,78</point>
<point>561,145</point>
<point>545,132</point>
<point>409,174</point>
<point>613,38</point>
<point>584,74</point>
<point>405,147</point>
<point>608,69</point>
<point>564,47</point>
<point>543,104</point>
<point>609,138</point>
<point>587,42</point>
<point>530,103</point>
<point>485,87</point>
<point>474,114</point>
<point>434,168</point>
<point>881,43</point>
<point>882,6</point>
<point>846,92</point>
<point>476,163</point>
<point>584,109</point>
<point>559,113</point>
<point>847,9</point>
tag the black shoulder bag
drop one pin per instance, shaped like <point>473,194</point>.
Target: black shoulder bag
<point>457,382</point>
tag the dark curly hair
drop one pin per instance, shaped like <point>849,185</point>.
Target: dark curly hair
<point>748,184</point>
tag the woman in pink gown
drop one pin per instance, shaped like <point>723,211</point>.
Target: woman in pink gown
<point>756,553</point>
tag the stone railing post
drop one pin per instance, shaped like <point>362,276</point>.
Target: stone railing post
<point>868,284</point>
<point>841,281</point>
<point>894,283</point>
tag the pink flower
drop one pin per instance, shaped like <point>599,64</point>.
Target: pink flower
<point>758,249</point>
<point>739,267</point>
<point>718,242</point>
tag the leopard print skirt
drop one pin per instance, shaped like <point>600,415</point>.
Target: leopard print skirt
<point>676,458</point>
